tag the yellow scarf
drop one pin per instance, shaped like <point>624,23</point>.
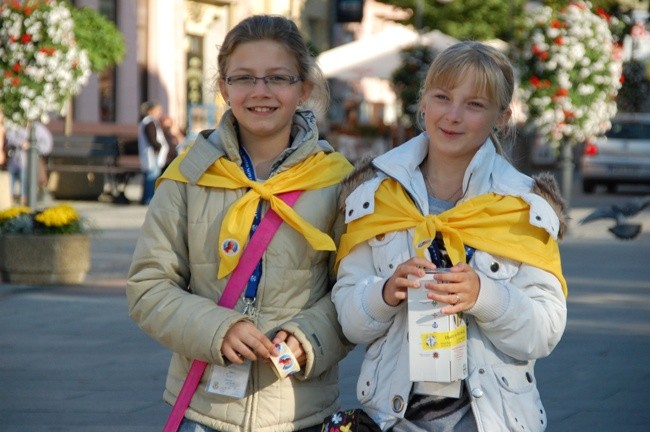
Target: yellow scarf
<point>317,171</point>
<point>492,223</point>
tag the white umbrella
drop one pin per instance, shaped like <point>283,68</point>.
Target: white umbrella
<point>378,55</point>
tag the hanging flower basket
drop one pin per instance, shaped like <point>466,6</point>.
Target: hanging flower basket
<point>41,66</point>
<point>570,71</point>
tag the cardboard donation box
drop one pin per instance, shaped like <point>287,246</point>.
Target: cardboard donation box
<point>437,342</point>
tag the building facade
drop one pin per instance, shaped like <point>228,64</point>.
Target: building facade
<point>171,58</point>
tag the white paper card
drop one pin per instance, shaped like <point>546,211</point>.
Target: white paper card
<point>229,381</point>
<point>437,342</point>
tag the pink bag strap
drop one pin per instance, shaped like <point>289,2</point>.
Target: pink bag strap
<point>234,287</point>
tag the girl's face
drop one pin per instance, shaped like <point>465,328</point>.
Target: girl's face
<point>263,111</point>
<point>459,120</point>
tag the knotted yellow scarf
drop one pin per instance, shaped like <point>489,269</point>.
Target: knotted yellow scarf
<point>492,223</point>
<point>315,172</point>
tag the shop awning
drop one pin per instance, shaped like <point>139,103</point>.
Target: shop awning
<point>378,55</point>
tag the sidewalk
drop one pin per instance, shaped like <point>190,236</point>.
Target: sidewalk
<point>72,360</point>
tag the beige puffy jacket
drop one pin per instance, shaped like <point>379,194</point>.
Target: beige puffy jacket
<point>173,287</point>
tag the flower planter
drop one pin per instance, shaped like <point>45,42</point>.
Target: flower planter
<point>44,259</point>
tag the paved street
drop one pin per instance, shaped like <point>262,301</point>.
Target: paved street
<point>71,360</point>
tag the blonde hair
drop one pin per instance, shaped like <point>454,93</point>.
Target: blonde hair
<point>492,70</point>
<point>284,31</point>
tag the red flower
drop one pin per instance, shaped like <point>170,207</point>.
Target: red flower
<point>535,82</point>
<point>562,92</point>
<point>539,53</point>
<point>559,40</point>
<point>7,74</point>
<point>16,67</point>
<point>15,82</point>
<point>556,23</point>
<point>48,50</point>
<point>26,38</point>
<point>603,14</point>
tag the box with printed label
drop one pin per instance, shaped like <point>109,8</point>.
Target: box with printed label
<point>437,342</point>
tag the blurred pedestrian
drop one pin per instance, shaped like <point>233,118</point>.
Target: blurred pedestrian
<point>174,136</point>
<point>5,182</point>
<point>152,148</point>
<point>18,143</point>
<point>3,148</point>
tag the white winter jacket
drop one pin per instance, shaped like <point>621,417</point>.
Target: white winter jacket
<point>519,316</point>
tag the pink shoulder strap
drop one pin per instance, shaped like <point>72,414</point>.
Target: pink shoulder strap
<point>234,287</point>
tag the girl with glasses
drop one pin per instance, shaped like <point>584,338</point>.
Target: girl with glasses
<point>208,204</point>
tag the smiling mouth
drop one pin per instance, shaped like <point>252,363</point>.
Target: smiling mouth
<point>448,132</point>
<point>262,109</point>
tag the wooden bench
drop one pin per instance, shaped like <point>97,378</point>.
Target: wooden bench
<point>84,166</point>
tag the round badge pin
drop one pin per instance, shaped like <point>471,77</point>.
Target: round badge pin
<point>230,247</point>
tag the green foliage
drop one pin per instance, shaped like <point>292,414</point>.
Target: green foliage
<point>409,77</point>
<point>102,41</point>
<point>466,19</point>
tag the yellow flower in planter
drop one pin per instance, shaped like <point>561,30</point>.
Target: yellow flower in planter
<point>59,219</point>
<point>13,212</point>
<point>44,246</point>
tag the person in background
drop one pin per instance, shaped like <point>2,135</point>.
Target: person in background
<point>152,148</point>
<point>174,136</point>
<point>208,202</point>
<point>448,198</point>
<point>18,142</point>
<point>5,183</point>
<point>3,148</point>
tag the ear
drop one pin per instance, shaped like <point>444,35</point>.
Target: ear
<point>307,88</point>
<point>504,118</point>
<point>223,89</point>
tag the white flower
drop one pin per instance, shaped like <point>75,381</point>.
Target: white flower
<point>569,75</point>
<point>40,64</point>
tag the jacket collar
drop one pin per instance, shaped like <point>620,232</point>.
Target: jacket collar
<point>486,172</point>
<point>212,144</point>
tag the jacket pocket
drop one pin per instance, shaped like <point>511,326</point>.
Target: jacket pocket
<point>388,251</point>
<point>495,266</point>
<point>369,373</point>
<point>522,406</point>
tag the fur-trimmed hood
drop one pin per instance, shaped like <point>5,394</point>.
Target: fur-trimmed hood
<point>543,185</point>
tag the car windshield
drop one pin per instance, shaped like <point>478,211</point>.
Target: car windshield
<point>629,130</point>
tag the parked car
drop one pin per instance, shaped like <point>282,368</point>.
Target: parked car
<point>620,156</point>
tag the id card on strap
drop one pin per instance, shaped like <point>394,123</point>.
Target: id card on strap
<point>230,380</point>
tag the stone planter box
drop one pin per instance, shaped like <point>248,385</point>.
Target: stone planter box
<point>44,259</point>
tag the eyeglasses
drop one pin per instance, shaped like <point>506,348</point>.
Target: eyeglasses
<point>272,81</point>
